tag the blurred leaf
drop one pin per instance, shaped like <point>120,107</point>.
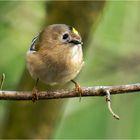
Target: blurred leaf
<point>18,23</point>
<point>112,58</point>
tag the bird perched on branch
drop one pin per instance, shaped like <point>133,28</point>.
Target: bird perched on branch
<point>55,56</point>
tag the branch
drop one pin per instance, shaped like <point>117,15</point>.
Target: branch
<point>2,78</point>
<point>108,100</point>
<point>87,91</point>
<point>83,92</point>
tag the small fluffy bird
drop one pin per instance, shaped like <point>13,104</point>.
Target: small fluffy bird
<point>55,55</point>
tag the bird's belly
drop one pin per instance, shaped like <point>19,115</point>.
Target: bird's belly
<point>56,75</point>
<point>55,72</point>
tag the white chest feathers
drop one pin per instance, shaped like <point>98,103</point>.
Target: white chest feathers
<point>77,55</point>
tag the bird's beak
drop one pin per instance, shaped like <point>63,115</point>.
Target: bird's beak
<point>76,42</point>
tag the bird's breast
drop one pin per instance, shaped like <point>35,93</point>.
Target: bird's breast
<point>56,69</point>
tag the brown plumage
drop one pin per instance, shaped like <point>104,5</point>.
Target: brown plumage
<point>55,56</point>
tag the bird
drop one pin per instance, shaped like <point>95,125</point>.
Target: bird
<point>55,56</point>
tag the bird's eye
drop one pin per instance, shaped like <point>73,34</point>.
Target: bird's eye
<point>65,36</point>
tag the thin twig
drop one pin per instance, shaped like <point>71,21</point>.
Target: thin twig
<point>108,100</point>
<point>87,91</point>
<point>2,81</point>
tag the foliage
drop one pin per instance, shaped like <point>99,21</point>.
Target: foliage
<point>112,58</point>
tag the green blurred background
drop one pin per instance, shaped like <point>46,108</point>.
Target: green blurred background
<point>111,35</point>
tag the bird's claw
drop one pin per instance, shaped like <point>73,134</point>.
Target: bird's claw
<point>34,94</point>
<point>78,89</point>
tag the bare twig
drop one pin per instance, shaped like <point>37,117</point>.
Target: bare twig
<point>87,91</point>
<point>2,81</point>
<point>108,100</point>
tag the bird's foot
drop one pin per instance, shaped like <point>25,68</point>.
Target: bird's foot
<point>34,94</point>
<point>78,89</point>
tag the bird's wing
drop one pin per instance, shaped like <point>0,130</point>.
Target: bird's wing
<point>35,40</point>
